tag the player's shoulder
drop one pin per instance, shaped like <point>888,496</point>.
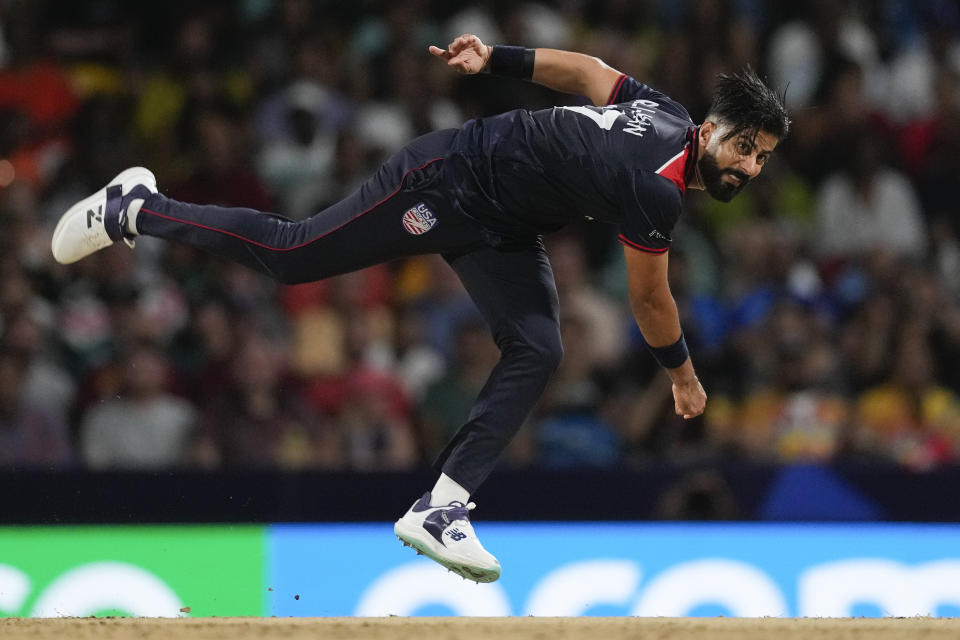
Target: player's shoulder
<point>630,91</point>
<point>667,184</point>
<point>663,190</point>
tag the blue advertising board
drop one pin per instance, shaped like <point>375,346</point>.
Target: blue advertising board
<point>568,569</point>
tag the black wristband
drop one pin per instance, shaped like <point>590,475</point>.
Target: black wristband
<point>511,62</point>
<point>671,356</point>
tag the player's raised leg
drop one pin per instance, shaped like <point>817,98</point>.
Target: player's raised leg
<point>516,294</point>
<point>403,209</point>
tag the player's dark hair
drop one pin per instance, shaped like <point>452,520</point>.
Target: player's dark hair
<point>744,103</point>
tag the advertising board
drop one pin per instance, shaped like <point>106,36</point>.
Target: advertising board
<point>132,570</point>
<point>549,569</point>
<point>576,569</point>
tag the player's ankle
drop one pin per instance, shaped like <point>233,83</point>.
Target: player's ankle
<point>447,490</point>
<point>132,210</point>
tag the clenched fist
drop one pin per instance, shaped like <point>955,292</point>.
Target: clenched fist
<point>689,398</point>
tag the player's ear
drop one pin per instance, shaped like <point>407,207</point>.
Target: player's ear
<point>707,130</point>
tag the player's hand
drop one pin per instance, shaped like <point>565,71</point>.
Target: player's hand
<point>467,54</point>
<point>689,398</point>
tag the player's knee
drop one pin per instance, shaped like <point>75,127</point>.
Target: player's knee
<point>543,352</point>
<point>552,353</point>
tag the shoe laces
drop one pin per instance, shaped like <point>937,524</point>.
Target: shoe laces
<point>460,511</point>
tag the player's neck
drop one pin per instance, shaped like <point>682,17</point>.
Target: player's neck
<point>696,180</point>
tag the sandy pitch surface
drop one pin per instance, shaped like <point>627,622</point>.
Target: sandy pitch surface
<point>481,628</point>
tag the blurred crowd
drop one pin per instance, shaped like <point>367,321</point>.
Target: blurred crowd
<point>822,307</point>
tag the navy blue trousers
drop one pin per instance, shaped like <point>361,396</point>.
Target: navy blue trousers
<point>406,209</point>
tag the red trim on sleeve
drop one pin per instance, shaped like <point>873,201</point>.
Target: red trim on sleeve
<point>616,88</point>
<point>634,245</point>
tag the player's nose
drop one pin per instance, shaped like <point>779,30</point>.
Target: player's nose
<point>750,166</point>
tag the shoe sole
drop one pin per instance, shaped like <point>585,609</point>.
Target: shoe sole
<point>470,572</point>
<point>136,174</point>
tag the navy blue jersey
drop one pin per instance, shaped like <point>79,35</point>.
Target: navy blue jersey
<point>530,172</point>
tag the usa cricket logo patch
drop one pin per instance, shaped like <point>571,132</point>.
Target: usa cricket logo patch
<point>419,219</point>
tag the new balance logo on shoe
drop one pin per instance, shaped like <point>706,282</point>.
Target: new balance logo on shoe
<point>456,535</point>
<point>94,215</point>
<point>97,221</point>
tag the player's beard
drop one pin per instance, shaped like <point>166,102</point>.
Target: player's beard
<point>712,176</point>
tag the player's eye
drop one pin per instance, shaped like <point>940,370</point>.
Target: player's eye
<point>743,148</point>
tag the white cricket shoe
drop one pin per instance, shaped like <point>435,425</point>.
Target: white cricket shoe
<point>444,535</point>
<point>100,220</point>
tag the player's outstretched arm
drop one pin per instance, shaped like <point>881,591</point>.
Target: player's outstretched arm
<point>577,73</point>
<point>656,315</point>
<point>565,71</point>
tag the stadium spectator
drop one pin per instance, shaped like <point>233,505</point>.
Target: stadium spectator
<point>570,428</point>
<point>376,434</point>
<point>31,435</point>
<point>258,420</point>
<point>144,427</point>
<point>868,207</point>
<point>909,419</point>
<point>407,356</point>
<point>603,320</point>
<point>45,382</point>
